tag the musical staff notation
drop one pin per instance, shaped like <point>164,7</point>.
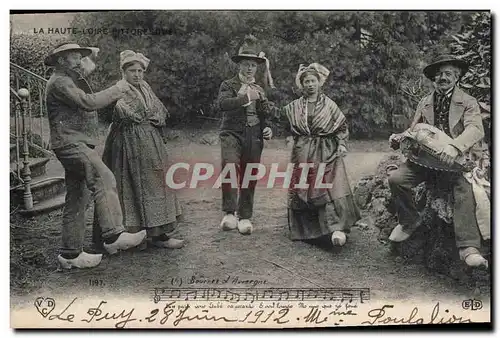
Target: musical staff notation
<point>235,295</point>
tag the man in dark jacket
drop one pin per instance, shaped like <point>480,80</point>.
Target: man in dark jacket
<point>458,115</point>
<point>245,124</point>
<point>73,124</point>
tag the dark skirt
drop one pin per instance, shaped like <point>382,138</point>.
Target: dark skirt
<point>315,222</point>
<point>137,155</point>
<point>314,213</point>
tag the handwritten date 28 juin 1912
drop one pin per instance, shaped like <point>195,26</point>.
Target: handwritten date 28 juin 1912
<point>175,314</point>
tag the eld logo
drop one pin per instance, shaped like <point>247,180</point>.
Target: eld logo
<point>472,304</point>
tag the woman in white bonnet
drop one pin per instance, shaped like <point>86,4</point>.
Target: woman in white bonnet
<point>137,155</point>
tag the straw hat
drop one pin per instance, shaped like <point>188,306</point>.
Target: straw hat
<point>51,59</point>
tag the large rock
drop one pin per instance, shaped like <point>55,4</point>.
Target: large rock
<point>363,191</point>
<point>373,196</point>
<point>433,242</point>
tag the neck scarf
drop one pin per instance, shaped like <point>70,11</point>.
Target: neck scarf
<point>246,80</point>
<point>142,105</point>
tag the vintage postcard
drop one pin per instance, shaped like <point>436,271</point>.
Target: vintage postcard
<point>250,169</point>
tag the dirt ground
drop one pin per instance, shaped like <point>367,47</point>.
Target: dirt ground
<point>266,255</point>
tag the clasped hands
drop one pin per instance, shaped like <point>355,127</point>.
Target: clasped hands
<point>253,95</point>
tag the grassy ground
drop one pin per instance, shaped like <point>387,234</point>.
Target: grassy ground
<point>268,254</point>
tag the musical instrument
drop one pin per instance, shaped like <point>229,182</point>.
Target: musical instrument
<point>423,144</point>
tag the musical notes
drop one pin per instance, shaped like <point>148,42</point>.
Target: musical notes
<point>299,295</point>
<point>312,294</point>
<point>280,295</point>
<point>214,291</point>
<point>267,294</point>
<point>249,294</point>
<point>235,297</point>
<point>347,294</point>
<point>261,294</point>
<point>364,295</point>
<point>191,293</point>
<point>175,293</point>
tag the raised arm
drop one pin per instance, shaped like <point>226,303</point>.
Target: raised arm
<point>68,91</point>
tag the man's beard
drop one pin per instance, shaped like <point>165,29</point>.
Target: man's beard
<point>87,66</point>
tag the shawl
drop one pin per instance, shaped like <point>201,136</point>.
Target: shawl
<point>139,108</point>
<point>328,117</point>
<point>311,146</point>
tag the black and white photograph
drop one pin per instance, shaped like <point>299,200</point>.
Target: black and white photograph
<point>250,169</point>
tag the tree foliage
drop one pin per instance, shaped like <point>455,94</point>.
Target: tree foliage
<point>29,51</point>
<point>375,58</point>
<point>473,44</point>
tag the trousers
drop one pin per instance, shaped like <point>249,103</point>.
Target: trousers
<point>87,176</point>
<point>409,175</point>
<point>240,149</point>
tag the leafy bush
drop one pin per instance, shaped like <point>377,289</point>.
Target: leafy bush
<point>29,52</point>
<point>473,44</point>
<point>375,58</point>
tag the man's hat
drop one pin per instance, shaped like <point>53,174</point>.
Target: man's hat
<point>431,69</point>
<point>51,59</point>
<point>248,51</point>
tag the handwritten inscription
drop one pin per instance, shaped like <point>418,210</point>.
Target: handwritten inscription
<point>299,314</point>
<point>381,316</point>
<point>175,314</point>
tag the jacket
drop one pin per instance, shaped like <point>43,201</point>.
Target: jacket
<point>466,125</point>
<point>71,108</point>
<point>231,105</point>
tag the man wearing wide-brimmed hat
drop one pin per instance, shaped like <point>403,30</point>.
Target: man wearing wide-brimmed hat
<point>458,115</point>
<point>71,106</point>
<point>245,124</point>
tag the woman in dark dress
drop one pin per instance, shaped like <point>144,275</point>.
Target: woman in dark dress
<point>136,153</point>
